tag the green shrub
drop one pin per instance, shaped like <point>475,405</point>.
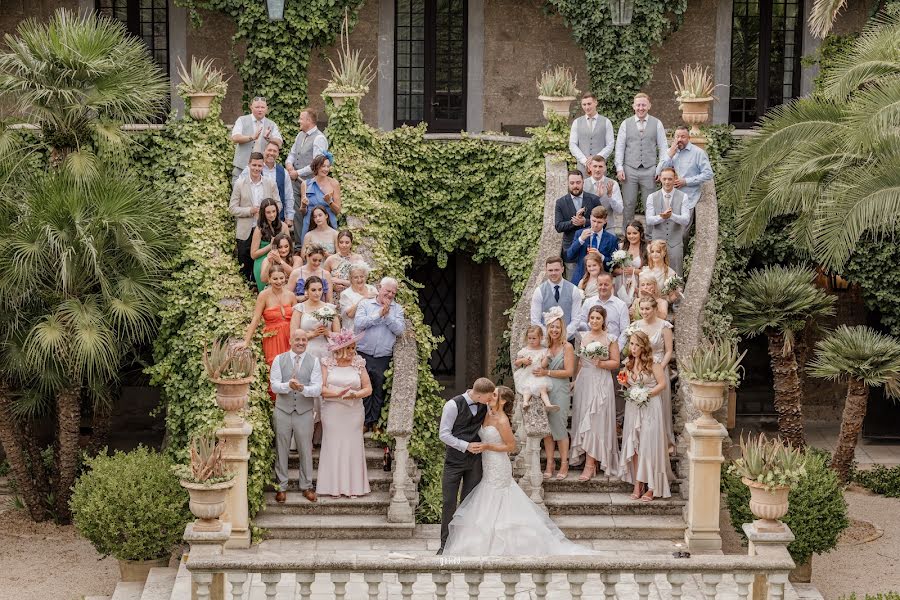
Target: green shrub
<point>881,480</point>
<point>817,514</point>
<point>130,505</point>
<point>885,596</point>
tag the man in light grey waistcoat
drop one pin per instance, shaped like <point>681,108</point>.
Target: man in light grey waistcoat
<point>668,213</point>
<point>251,133</point>
<point>608,191</point>
<point>640,145</point>
<point>296,380</point>
<point>556,291</point>
<point>591,134</point>
<point>310,143</point>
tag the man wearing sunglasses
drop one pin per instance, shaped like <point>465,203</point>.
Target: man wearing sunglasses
<point>251,133</point>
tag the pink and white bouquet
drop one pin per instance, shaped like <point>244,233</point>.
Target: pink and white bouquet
<point>325,315</point>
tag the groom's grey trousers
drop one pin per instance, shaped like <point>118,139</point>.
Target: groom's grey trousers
<point>467,473</point>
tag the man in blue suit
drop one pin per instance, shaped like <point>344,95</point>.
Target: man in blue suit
<point>592,239</point>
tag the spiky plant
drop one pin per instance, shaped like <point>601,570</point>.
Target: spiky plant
<point>202,78</point>
<point>353,73</point>
<point>559,82</point>
<point>695,82</point>
<point>714,362</point>
<point>769,462</point>
<point>863,358</point>
<point>207,464</point>
<point>224,360</point>
<point>779,302</point>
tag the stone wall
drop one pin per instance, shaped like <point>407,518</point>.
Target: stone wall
<point>213,39</point>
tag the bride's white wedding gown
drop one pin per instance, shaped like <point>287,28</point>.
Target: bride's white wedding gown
<point>498,519</point>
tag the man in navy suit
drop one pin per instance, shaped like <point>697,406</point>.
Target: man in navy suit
<point>592,239</point>
<point>572,212</point>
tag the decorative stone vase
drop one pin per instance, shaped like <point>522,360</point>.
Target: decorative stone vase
<point>556,105</point>
<point>200,105</point>
<point>207,503</point>
<point>231,396</point>
<point>707,397</point>
<point>138,570</point>
<point>695,112</point>
<point>339,98</point>
<point>767,506</point>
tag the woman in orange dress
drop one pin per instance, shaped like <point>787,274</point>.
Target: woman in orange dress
<point>274,306</point>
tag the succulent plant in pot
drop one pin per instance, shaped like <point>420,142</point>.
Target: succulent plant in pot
<point>710,370</point>
<point>351,77</point>
<point>230,366</point>
<point>207,481</point>
<point>694,94</point>
<point>556,89</point>
<point>201,84</point>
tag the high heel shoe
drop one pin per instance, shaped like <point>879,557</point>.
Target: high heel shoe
<point>587,474</point>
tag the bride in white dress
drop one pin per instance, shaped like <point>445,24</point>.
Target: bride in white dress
<point>497,518</point>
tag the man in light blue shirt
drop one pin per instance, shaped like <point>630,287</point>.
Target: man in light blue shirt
<point>382,321</point>
<point>693,168</point>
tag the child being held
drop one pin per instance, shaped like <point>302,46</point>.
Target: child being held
<point>527,383</point>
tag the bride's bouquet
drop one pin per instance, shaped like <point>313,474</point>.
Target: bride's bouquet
<point>637,394</point>
<point>595,350</point>
<point>620,258</point>
<point>325,315</point>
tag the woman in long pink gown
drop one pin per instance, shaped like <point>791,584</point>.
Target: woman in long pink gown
<point>342,459</point>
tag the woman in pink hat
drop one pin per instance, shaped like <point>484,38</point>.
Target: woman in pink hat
<point>342,458</point>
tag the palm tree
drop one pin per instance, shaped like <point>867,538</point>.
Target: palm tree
<point>863,358</point>
<point>779,302</point>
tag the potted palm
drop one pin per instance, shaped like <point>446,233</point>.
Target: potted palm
<point>557,91</point>
<point>351,77</point>
<point>694,94</point>
<point>230,367</point>
<point>207,482</point>
<point>711,370</point>
<point>200,85</point>
<point>770,469</point>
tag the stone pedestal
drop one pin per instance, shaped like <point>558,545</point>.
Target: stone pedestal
<point>773,544</point>
<point>704,480</point>
<point>204,545</point>
<point>237,511</point>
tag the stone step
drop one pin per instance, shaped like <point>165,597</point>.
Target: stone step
<point>342,527</point>
<point>159,584</point>
<point>182,588</point>
<point>97,597</point>
<point>612,503</point>
<point>374,458</point>
<point>296,504</point>
<point>128,590</point>
<point>599,483</point>
<point>624,527</point>
<point>379,480</point>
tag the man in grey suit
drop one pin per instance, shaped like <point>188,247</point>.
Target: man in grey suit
<point>640,145</point>
<point>250,134</point>
<point>296,380</point>
<point>668,213</point>
<point>591,134</point>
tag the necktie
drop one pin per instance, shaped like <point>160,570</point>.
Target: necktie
<point>297,360</point>
<point>591,123</point>
<point>667,202</point>
<point>594,240</point>
<point>642,124</point>
<point>556,292</point>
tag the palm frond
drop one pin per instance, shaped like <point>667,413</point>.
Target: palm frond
<point>874,56</point>
<point>874,113</point>
<point>822,16</point>
<point>859,353</point>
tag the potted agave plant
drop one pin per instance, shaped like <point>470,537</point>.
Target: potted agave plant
<point>230,367</point>
<point>557,91</point>
<point>710,370</point>
<point>200,85</point>
<point>694,94</point>
<point>207,482</point>
<point>770,469</point>
<point>351,77</point>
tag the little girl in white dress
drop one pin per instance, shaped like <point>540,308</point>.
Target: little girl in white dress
<point>527,383</point>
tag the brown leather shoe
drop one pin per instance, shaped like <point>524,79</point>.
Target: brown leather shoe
<point>280,497</point>
<point>310,495</point>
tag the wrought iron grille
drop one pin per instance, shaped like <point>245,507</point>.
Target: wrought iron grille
<point>437,299</point>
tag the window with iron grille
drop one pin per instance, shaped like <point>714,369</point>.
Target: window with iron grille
<point>146,19</point>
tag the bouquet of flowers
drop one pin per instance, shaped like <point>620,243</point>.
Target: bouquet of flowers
<point>672,284</point>
<point>620,258</point>
<point>638,394</point>
<point>325,315</point>
<point>595,350</point>
<point>622,378</point>
<point>629,331</point>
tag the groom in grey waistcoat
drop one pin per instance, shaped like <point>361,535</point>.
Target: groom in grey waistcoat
<point>461,420</point>
<point>296,380</point>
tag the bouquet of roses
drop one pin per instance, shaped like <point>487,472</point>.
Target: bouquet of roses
<point>325,315</point>
<point>622,378</point>
<point>595,350</point>
<point>620,258</point>
<point>638,394</point>
<point>672,284</point>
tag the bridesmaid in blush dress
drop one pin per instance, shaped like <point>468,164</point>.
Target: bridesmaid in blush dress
<point>342,461</point>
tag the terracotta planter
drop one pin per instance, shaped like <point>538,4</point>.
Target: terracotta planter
<point>707,397</point>
<point>339,98</point>
<point>556,105</point>
<point>207,503</point>
<point>767,506</point>
<point>695,113</point>
<point>200,105</point>
<point>231,396</point>
<point>137,570</point>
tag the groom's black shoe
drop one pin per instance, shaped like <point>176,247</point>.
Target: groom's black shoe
<point>439,552</point>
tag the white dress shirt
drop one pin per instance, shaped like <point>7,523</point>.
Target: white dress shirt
<point>537,315</point>
<point>661,145</point>
<point>599,190</point>
<point>597,122</point>
<point>448,418</point>
<point>320,146</point>
<point>275,134</point>
<point>271,174</point>
<point>256,191</point>
<point>310,390</point>
<point>617,319</point>
<point>682,218</point>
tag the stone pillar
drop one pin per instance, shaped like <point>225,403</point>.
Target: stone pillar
<point>772,545</point>
<point>237,511</point>
<point>704,481</point>
<point>204,545</point>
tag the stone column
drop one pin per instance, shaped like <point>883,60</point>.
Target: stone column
<point>205,545</point>
<point>771,545</point>
<point>705,465</point>
<point>237,512</point>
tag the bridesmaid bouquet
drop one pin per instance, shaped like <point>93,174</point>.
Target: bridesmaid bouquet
<point>672,284</point>
<point>595,350</point>
<point>638,394</point>
<point>620,258</point>
<point>325,315</point>
<point>629,331</point>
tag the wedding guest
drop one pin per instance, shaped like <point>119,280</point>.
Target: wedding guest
<point>309,144</point>
<point>281,254</point>
<point>640,145</point>
<point>692,165</point>
<point>342,459</point>
<point>594,402</point>
<point>250,134</point>
<point>659,331</point>
<point>382,320</point>
<point>592,240</point>
<point>527,383</point>
<point>296,380</point>
<point>267,227</point>
<point>321,190</point>
<point>246,198</point>
<point>616,311</point>
<point>274,171</point>
<point>635,244</point>
<point>667,215</point>
<point>648,287</point>
<point>338,264</point>
<point>359,290</point>
<point>556,291</point>
<point>316,317</point>
<point>593,266</point>
<point>572,212</point>
<point>274,306</point>
<point>560,369</point>
<point>644,461</point>
<point>590,135</point>
<point>315,255</point>
<point>607,190</point>
<point>658,265</point>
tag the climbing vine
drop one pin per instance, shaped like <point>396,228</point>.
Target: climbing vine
<point>619,59</point>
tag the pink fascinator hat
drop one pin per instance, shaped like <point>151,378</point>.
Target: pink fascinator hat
<point>342,339</point>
